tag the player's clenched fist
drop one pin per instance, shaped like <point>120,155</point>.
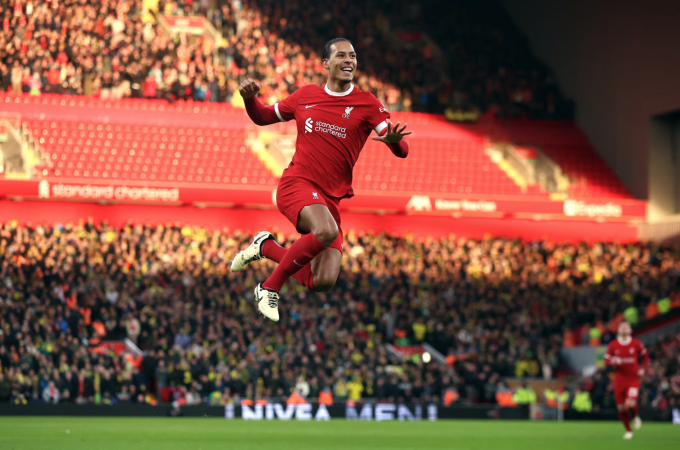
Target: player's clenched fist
<point>249,88</point>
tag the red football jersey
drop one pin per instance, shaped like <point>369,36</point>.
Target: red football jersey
<point>332,129</point>
<point>625,357</point>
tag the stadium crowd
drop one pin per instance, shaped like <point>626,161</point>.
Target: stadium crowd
<point>108,49</point>
<point>496,308</point>
<point>113,49</point>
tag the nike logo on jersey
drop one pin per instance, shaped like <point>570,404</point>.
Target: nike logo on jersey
<point>301,265</point>
<point>310,106</point>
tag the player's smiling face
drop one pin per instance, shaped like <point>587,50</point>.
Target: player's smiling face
<point>342,62</point>
<point>625,330</point>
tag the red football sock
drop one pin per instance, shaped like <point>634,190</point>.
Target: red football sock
<point>633,412</point>
<point>305,277</point>
<point>297,256</point>
<point>272,250</point>
<point>623,416</point>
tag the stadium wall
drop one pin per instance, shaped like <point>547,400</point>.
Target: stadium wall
<point>618,60</point>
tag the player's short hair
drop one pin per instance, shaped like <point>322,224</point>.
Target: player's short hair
<point>624,322</point>
<point>326,54</point>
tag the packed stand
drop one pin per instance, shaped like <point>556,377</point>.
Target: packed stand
<point>286,54</point>
<point>496,308</point>
<point>109,49</point>
<point>114,49</point>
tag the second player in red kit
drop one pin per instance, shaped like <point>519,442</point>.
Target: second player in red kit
<point>333,124</point>
<point>624,354</point>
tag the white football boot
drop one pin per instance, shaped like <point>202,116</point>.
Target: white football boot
<point>628,436</point>
<point>252,253</point>
<point>267,302</point>
<point>637,423</point>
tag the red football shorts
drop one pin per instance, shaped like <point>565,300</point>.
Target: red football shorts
<point>295,193</point>
<point>626,390</point>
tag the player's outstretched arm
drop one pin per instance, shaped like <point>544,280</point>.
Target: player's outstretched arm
<point>258,113</point>
<point>393,137</point>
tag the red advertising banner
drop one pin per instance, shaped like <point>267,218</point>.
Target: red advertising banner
<point>519,207</point>
<point>193,25</point>
<point>117,347</point>
<point>406,351</point>
<point>184,22</point>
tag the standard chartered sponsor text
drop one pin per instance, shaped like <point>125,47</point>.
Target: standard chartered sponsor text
<point>114,192</point>
<point>331,129</point>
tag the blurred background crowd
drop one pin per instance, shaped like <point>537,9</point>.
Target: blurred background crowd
<point>494,308</point>
<point>474,61</point>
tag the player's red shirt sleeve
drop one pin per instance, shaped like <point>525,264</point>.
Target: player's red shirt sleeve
<point>608,356</point>
<point>259,113</point>
<point>285,110</point>
<point>645,355</point>
<point>378,117</point>
<point>378,120</point>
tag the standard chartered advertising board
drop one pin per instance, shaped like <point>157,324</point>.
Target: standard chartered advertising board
<point>377,412</point>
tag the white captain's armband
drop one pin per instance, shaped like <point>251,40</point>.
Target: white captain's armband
<point>380,127</point>
<point>278,114</point>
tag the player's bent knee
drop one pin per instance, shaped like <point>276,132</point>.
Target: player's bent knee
<point>326,234</point>
<point>323,287</point>
<point>324,283</point>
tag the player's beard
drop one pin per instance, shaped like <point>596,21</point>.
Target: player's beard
<point>344,77</point>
